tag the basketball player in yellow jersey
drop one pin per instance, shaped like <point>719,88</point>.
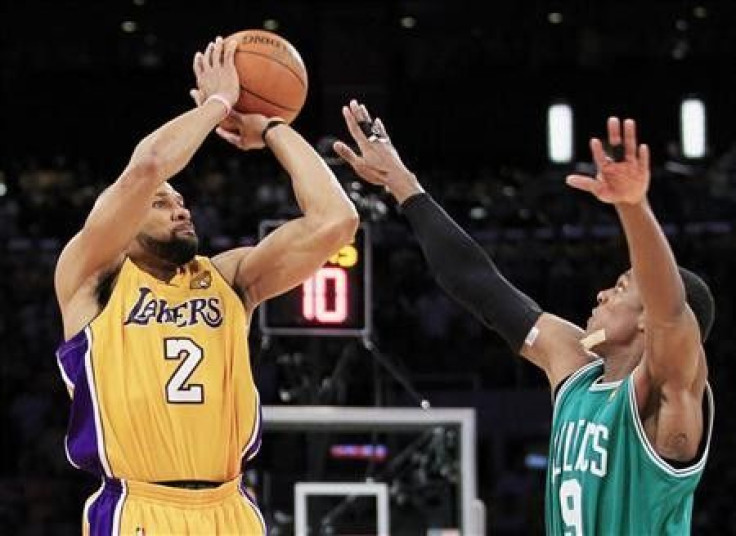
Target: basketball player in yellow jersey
<point>164,408</point>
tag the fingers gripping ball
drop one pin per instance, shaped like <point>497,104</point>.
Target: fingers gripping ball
<point>273,78</point>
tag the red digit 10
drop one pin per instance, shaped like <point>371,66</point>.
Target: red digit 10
<point>315,304</point>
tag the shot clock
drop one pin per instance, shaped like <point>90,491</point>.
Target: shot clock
<point>335,301</point>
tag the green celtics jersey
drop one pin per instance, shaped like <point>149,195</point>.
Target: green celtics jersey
<point>603,475</point>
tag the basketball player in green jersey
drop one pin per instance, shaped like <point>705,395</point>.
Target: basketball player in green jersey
<point>633,411</point>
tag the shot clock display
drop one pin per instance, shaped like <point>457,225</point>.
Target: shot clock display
<point>335,301</point>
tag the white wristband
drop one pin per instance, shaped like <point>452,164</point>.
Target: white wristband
<point>219,98</point>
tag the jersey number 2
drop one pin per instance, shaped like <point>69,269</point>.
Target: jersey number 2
<point>178,391</point>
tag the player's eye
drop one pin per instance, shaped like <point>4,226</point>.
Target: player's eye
<point>159,204</point>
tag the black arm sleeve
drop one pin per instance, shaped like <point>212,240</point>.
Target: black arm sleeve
<point>464,270</point>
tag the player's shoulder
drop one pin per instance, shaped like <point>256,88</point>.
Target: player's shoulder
<point>230,255</point>
<point>227,262</point>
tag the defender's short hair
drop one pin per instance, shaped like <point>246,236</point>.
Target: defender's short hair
<point>700,299</point>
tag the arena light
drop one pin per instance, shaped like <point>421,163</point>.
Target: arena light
<point>129,26</point>
<point>408,22</point>
<point>700,12</point>
<point>559,133</point>
<point>692,128</point>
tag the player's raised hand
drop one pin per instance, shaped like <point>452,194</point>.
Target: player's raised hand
<point>623,179</point>
<point>215,72</point>
<point>378,161</point>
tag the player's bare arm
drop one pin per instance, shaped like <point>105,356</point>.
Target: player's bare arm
<point>293,252</point>
<point>115,219</point>
<point>670,379</point>
<point>461,267</point>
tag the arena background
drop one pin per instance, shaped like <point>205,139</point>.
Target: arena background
<point>463,88</point>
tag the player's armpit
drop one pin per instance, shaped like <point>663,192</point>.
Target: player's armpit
<point>77,272</point>
<point>77,289</point>
<point>554,346</point>
<point>672,415</point>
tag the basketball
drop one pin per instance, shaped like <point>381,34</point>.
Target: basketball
<point>273,78</point>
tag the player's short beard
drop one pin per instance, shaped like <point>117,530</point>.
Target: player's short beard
<point>177,251</point>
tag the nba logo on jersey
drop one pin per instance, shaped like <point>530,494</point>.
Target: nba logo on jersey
<point>201,281</point>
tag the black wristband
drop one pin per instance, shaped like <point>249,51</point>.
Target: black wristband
<point>272,123</point>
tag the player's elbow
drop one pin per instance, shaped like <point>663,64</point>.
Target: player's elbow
<point>146,164</point>
<point>147,167</point>
<point>143,168</point>
<point>339,230</point>
<point>349,225</point>
<point>345,227</point>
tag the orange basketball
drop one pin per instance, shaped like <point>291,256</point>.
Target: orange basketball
<point>273,79</point>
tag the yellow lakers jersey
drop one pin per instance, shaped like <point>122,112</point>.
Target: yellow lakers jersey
<point>161,381</point>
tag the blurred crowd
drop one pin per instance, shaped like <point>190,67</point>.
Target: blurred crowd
<point>557,245</point>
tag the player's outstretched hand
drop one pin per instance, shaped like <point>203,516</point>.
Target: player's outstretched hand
<point>622,178</point>
<point>378,161</point>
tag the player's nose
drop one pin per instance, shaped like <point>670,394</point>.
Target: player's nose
<point>182,214</point>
